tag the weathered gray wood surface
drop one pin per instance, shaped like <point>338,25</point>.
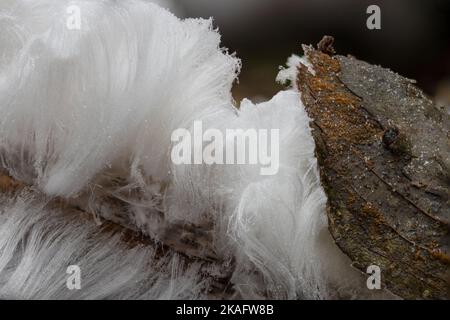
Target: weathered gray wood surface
<point>384,156</point>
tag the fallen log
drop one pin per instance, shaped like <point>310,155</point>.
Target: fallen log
<point>190,242</point>
<point>384,157</point>
<point>383,152</point>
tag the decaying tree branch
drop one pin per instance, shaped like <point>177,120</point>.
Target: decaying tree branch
<point>191,242</point>
<point>383,151</point>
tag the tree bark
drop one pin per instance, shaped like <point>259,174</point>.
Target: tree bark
<point>383,152</point>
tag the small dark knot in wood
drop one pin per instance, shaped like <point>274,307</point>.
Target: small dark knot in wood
<point>390,136</point>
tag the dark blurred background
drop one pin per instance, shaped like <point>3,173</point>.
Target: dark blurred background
<point>413,40</point>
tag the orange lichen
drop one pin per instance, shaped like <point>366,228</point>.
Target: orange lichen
<point>438,254</point>
<point>323,63</point>
<point>319,85</point>
<point>372,211</point>
<point>341,99</point>
<point>8,184</point>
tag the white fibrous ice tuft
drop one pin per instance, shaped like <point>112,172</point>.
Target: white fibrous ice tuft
<point>75,102</point>
<point>288,74</point>
<point>87,113</point>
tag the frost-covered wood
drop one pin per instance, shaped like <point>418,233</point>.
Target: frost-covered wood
<point>121,263</point>
<point>86,129</point>
<point>383,151</point>
<point>87,117</point>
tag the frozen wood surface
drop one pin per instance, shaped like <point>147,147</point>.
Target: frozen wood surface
<point>383,151</point>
